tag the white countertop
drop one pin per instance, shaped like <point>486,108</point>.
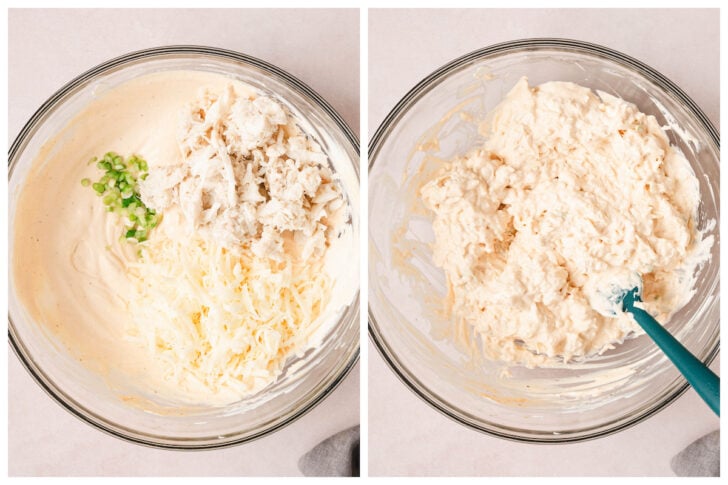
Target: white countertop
<point>407,436</point>
<point>47,48</point>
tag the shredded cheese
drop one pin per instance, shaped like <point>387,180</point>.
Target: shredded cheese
<point>220,319</point>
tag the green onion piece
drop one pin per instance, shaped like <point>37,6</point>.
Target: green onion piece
<point>120,191</point>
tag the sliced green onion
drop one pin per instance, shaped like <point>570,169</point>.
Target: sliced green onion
<point>120,191</point>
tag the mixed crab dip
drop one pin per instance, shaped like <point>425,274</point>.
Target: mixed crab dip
<point>181,231</point>
<point>570,187</point>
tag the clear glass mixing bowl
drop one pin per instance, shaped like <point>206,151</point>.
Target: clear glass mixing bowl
<point>305,381</point>
<point>434,122</point>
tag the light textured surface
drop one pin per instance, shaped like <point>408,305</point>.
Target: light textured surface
<point>408,437</point>
<point>47,48</point>
<point>407,45</point>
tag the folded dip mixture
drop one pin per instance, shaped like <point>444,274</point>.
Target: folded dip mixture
<point>569,188</point>
<point>193,254</point>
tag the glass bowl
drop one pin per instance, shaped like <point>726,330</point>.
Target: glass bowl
<point>305,380</point>
<point>407,323</point>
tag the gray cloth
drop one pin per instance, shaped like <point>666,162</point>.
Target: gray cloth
<point>336,456</point>
<point>700,459</point>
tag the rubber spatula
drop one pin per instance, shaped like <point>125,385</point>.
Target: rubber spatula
<point>703,380</point>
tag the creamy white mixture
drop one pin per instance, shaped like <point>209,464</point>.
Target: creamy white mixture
<point>249,207</point>
<point>569,189</point>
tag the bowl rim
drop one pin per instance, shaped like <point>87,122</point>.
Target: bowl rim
<point>342,370</point>
<point>391,120</point>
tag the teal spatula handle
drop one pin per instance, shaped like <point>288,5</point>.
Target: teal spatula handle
<point>703,380</point>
